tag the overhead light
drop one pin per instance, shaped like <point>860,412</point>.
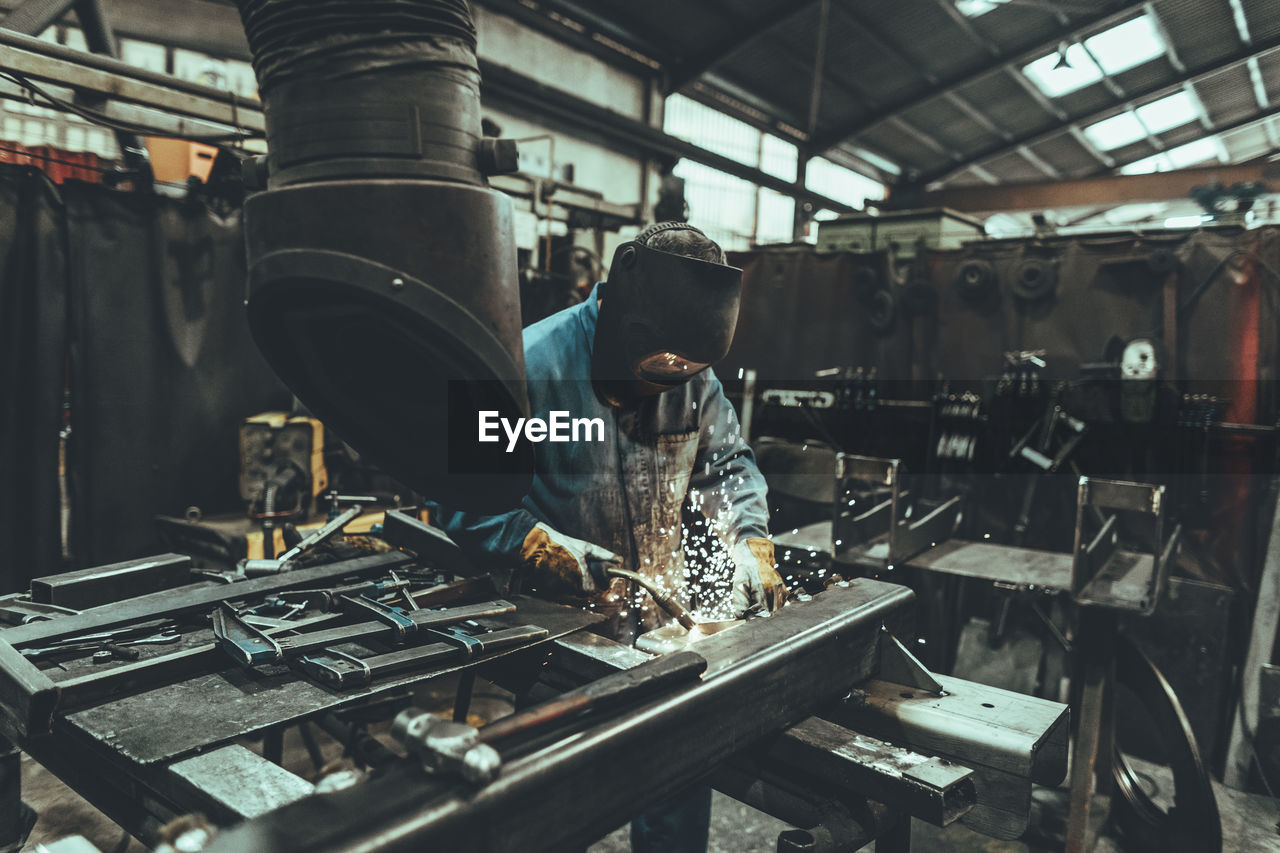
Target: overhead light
<point>1184,221</point>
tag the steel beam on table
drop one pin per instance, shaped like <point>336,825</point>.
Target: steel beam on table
<point>193,598</point>
<point>762,676</point>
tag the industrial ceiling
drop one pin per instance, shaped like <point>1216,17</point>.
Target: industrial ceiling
<point>963,92</point>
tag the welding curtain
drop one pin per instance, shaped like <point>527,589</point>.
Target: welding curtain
<point>134,303</point>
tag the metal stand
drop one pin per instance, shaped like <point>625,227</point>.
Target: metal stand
<point>1095,729</point>
<point>16,817</point>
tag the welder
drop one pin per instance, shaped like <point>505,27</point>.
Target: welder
<point>638,354</point>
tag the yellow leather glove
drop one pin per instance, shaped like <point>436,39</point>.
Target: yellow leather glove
<point>560,565</point>
<point>755,576</point>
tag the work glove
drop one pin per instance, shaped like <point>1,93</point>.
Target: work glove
<point>755,577</point>
<point>560,565</point>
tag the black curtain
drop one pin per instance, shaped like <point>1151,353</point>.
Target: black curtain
<point>134,302</point>
<point>33,342</point>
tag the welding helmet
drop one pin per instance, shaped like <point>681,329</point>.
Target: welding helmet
<point>664,318</point>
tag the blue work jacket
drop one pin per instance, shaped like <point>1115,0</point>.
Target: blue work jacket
<point>625,492</point>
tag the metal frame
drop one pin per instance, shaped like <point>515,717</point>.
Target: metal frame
<point>1100,563</point>
<point>888,520</point>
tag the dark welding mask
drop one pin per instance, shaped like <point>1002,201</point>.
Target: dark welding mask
<point>664,319</point>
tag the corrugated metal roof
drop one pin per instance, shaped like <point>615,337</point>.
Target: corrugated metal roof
<point>893,69</point>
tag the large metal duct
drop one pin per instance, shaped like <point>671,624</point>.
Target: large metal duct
<point>382,267</point>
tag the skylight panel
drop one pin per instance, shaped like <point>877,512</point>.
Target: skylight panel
<point>1118,49</point>
<point>1126,45</point>
<point>1115,132</point>
<point>1060,73</point>
<point>974,8</point>
<point>1194,153</point>
<point>1167,113</point>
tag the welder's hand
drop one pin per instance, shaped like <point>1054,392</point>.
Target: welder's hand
<point>562,565</point>
<point>755,576</point>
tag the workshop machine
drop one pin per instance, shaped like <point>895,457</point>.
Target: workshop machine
<point>145,687</point>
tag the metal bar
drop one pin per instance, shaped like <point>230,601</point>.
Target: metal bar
<point>189,599</point>
<point>91,587</point>
<point>808,654</point>
<point>1090,761</point>
<point>1106,189</point>
<point>1011,60</point>
<point>1007,739</point>
<point>41,61</point>
<point>630,686</point>
<point>819,63</point>
<point>233,784</point>
<point>837,759</point>
<point>27,696</point>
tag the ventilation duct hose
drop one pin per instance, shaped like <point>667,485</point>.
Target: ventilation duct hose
<point>382,268</point>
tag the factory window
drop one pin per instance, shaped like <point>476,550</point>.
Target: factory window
<point>1117,49</point>
<point>776,221</point>
<point>229,74</point>
<point>734,212</point>
<point>720,204</point>
<point>778,157</point>
<point>141,54</point>
<point>841,184</point>
<point>711,129</point>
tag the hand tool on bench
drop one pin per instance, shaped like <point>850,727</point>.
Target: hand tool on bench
<point>341,671</point>
<point>257,568</point>
<point>448,747</point>
<point>250,646</point>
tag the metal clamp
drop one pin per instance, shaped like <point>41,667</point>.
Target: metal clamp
<point>250,646</point>
<point>336,669</point>
<point>400,623</point>
<point>469,645</point>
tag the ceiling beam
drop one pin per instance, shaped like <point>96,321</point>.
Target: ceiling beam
<point>1150,92</point>
<point>966,26</point>
<point>1109,190</point>
<point>1012,59</point>
<point>687,70</point>
<point>514,92</point>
